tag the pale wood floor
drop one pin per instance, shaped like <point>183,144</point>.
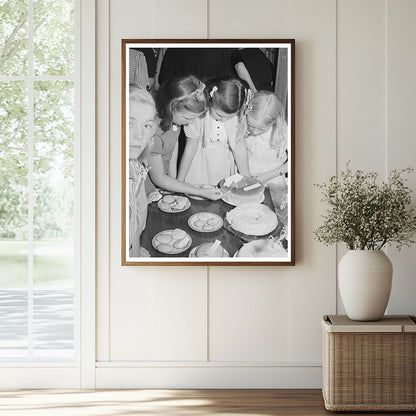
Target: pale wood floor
<point>165,402</point>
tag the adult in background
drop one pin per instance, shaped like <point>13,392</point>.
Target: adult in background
<point>204,63</point>
<point>253,66</point>
<point>142,62</point>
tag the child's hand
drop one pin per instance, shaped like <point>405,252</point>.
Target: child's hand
<point>144,252</point>
<point>210,193</point>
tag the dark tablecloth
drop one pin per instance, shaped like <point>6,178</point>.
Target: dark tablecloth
<point>231,240</point>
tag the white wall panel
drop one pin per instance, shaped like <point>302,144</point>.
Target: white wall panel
<point>401,139</point>
<point>145,322</point>
<point>131,317</point>
<point>180,308</point>
<point>180,19</point>
<point>361,84</point>
<point>102,178</point>
<point>361,89</point>
<point>159,316</point>
<point>355,90</point>
<point>248,314</point>
<point>167,19</point>
<point>312,283</point>
<point>315,136</point>
<point>262,19</point>
<point>132,19</point>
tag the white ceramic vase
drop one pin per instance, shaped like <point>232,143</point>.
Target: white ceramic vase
<point>364,278</point>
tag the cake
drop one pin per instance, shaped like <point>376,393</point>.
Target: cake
<point>238,189</point>
<point>252,218</point>
<point>218,250</point>
<point>269,247</point>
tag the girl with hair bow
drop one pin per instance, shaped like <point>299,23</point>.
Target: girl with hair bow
<point>178,101</point>
<point>215,147</point>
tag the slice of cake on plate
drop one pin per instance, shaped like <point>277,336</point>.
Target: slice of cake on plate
<point>238,189</point>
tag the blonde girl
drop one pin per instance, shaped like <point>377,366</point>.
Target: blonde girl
<point>266,137</point>
<point>215,146</point>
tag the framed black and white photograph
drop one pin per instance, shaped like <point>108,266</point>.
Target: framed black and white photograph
<point>208,156</point>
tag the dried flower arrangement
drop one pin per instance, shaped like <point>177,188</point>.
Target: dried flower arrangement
<point>366,215</point>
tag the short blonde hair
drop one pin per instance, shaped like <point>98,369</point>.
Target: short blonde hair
<point>267,109</point>
<point>140,95</point>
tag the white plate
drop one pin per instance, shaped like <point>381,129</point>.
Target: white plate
<point>228,199</point>
<point>157,244</point>
<point>193,251</point>
<point>254,217</point>
<point>280,251</point>
<point>204,227</point>
<point>170,209</point>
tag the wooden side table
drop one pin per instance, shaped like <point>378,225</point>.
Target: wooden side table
<point>369,366</point>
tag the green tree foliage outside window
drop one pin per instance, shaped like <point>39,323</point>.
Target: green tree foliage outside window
<point>53,118</point>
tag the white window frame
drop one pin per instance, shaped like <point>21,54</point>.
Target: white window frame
<point>80,373</point>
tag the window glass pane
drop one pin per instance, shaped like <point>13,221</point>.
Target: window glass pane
<point>53,321</point>
<point>49,326</point>
<point>54,174</point>
<point>13,219</point>
<point>13,37</point>
<point>13,160</point>
<point>53,196</point>
<point>14,321</point>
<point>53,37</point>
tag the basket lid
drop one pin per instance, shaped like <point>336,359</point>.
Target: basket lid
<point>389,323</point>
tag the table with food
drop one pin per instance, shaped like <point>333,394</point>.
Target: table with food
<point>249,221</point>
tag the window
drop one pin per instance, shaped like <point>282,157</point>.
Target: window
<point>38,185</point>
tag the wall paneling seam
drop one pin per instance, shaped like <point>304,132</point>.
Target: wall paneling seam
<point>336,142</point>
<point>103,178</point>
<point>207,12</point>
<point>387,84</point>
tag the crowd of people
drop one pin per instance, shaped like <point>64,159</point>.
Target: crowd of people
<point>231,121</point>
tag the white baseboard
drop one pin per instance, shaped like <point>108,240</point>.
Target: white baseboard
<point>39,378</point>
<point>209,377</point>
<point>169,375</point>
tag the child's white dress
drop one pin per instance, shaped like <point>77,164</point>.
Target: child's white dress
<point>263,157</point>
<point>214,159</point>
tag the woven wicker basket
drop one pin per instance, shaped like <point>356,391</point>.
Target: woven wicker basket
<point>369,366</point>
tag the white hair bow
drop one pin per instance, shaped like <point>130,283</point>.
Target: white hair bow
<point>214,88</point>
